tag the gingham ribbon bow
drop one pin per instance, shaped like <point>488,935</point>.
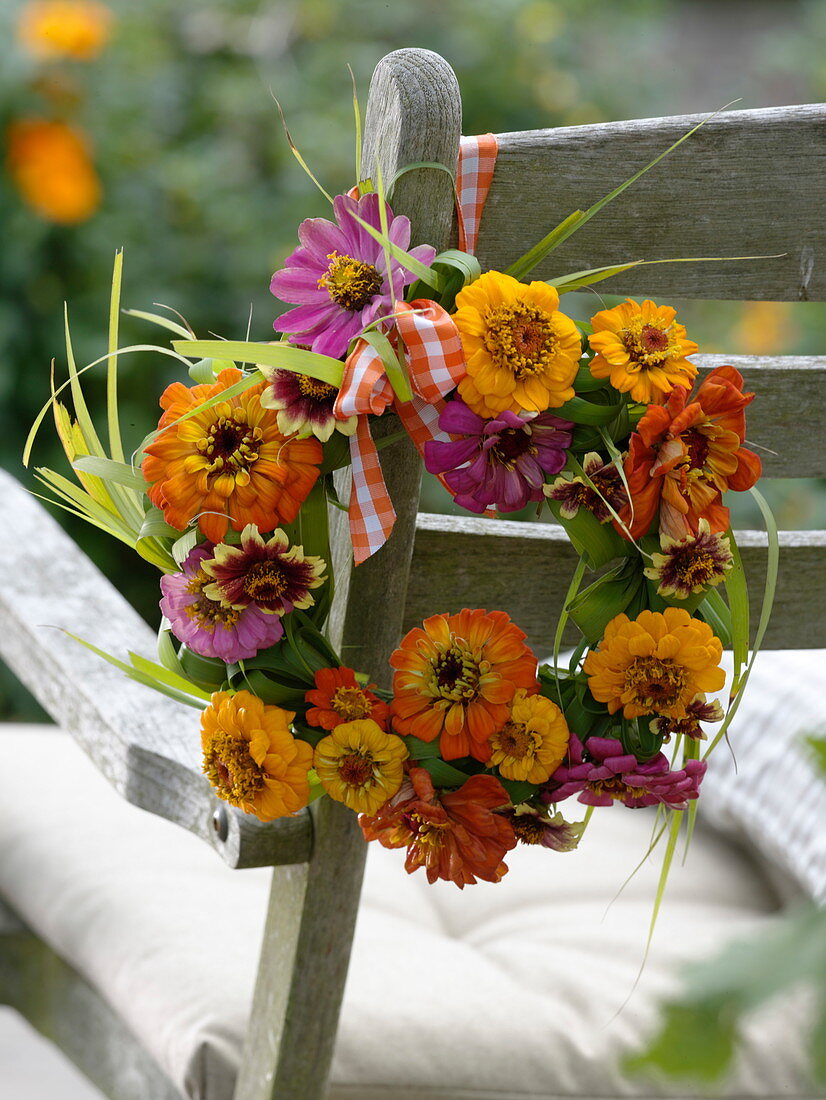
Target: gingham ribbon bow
<point>435,362</point>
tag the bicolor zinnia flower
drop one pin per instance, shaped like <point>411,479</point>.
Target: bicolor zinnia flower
<point>78,29</point>
<point>697,711</point>
<point>499,463</point>
<point>360,765</point>
<point>685,454</point>
<point>339,697</point>
<point>454,835</point>
<point>51,165</point>
<point>601,772</point>
<point>456,677</point>
<point>211,627</point>
<point>537,827</point>
<point>227,465</point>
<point>642,349</point>
<point>690,564</point>
<point>533,741</point>
<point>522,354</point>
<point>573,492</point>
<point>272,576</point>
<point>252,759</point>
<point>303,404</point>
<point>338,278</point>
<point>654,664</point>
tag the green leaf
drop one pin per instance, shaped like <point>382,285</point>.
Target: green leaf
<point>587,412</point>
<point>115,444</point>
<point>397,175</point>
<point>208,672</point>
<point>442,774</point>
<point>164,675</point>
<point>182,546</point>
<point>598,543</point>
<point>108,469</point>
<point>396,373</point>
<point>534,256</point>
<point>410,263</point>
<point>518,792</point>
<point>162,322</point>
<point>603,600</point>
<point>279,356</point>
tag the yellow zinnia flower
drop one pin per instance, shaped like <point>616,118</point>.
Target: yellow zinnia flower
<point>642,349</point>
<point>360,765</point>
<point>521,352</point>
<point>251,758</point>
<point>655,664</point>
<point>532,743</point>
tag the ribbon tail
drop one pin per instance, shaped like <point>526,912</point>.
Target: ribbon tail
<point>371,511</point>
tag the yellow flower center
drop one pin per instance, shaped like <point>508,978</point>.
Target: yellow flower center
<point>521,338</point>
<point>515,740</point>
<point>264,581</point>
<point>230,443</point>
<point>208,613</point>
<point>528,828</point>
<point>615,788</point>
<point>655,683</point>
<point>355,768</point>
<point>312,387</point>
<point>351,704</point>
<point>694,569</point>
<point>350,283</point>
<point>455,674</point>
<point>648,345</point>
<point>231,769</point>
<point>430,833</point>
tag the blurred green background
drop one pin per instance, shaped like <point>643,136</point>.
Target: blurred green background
<point>200,188</point>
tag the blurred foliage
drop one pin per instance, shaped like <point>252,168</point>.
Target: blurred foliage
<point>200,188</point>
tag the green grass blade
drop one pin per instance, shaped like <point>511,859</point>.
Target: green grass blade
<point>396,374</point>
<point>357,121</point>
<point>573,589</point>
<point>534,256</point>
<point>108,470</point>
<point>412,167</point>
<point>298,156</point>
<point>115,442</point>
<point>164,675</point>
<point>278,356</point>
<point>410,263</point>
<point>162,322</point>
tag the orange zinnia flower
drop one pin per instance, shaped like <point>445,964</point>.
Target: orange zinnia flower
<point>454,835</point>
<point>684,455</point>
<point>51,167</point>
<point>252,759</point>
<point>456,676</point>
<point>64,28</point>
<point>338,697</point>
<point>655,664</point>
<point>227,465</point>
<point>642,350</point>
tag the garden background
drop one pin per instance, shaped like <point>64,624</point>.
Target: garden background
<point>179,156</point>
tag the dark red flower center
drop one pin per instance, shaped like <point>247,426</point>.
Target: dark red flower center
<point>696,444</point>
<point>231,444</point>
<point>510,444</point>
<point>653,338</point>
<point>355,768</point>
<point>265,580</point>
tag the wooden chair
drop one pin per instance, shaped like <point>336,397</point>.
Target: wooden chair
<point>728,190</point>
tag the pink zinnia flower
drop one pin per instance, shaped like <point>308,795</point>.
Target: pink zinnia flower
<point>338,278</point>
<point>602,772</point>
<point>211,628</point>
<point>501,462</point>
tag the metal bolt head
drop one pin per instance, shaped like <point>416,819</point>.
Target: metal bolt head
<point>220,823</point>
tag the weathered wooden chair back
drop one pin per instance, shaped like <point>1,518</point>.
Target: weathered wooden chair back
<point>728,191</point>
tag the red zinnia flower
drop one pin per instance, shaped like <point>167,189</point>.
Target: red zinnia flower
<point>338,697</point>
<point>684,455</point>
<point>454,835</point>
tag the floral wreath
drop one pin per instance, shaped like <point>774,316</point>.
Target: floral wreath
<point>510,402</point>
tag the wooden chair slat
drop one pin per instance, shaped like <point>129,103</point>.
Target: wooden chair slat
<point>146,745</point>
<point>525,569</point>
<point>748,183</point>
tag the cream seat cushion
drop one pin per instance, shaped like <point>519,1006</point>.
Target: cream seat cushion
<point>505,991</point>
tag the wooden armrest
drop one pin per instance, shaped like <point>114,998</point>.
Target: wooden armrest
<point>146,745</point>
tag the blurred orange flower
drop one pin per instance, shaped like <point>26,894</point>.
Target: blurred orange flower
<point>78,29</point>
<point>50,164</point>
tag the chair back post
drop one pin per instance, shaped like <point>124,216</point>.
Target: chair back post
<point>413,115</point>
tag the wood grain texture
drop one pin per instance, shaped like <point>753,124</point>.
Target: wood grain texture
<point>413,114</point>
<point>525,569</point>
<point>146,745</point>
<point>64,1008</point>
<point>748,183</point>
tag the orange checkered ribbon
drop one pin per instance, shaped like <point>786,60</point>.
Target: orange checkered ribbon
<point>435,362</point>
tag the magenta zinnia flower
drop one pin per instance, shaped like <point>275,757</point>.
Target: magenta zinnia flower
<point>304,404</point>
<point>536,827</point>
<point>338,278</point>
<point>212,628</point>
<point>500,462</point>
<point>272,576</point>
<point>602,772</point>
